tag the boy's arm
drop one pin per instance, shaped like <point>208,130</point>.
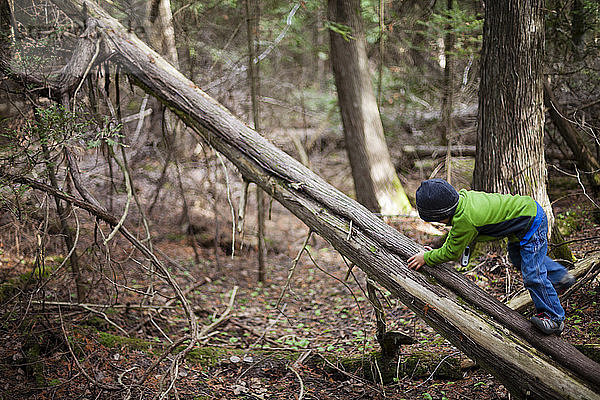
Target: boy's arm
<point>458,239</point>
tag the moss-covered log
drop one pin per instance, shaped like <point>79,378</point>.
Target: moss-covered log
<point>414,364</point>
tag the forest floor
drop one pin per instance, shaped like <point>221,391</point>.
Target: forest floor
<point>261,348</point>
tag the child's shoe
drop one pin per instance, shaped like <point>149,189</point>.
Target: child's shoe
<point>565,282</point>
<point>546,325</point>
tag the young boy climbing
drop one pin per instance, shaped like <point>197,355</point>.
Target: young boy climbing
<point>479,216</point>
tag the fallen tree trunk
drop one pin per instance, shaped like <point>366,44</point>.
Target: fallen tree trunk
<point>503,345</point>
<point>431,151</point>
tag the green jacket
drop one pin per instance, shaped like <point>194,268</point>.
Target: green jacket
<point>483,216</point>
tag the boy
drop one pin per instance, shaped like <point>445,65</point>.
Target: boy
<point>487,216</point>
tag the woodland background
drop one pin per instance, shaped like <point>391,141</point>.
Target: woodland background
<point>86,315</point>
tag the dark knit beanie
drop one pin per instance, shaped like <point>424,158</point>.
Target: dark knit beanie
<point>436,200</point>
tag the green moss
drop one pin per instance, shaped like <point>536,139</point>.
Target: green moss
<point>209,356</point>
<point>115,341</point>
<point>400,200</point>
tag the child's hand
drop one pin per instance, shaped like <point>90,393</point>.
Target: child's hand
<point>416,261</point>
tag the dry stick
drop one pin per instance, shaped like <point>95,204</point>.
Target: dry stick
<point>349,375</point>
<point>116,114</point>
<point>254,332</point>
<point>577,175</point>
<point>87,70</point>
<point>125,162</point>
<point>104,306</point>
<point>62,216</point>
<point>142,115</point>
<point>65,259</point>
<point>339,280</point>
<point>103,315</point>
<point>293,268</point>
<point>434,371</point>
<point>223,316</point>
<point>112,220</point>
<point>583,188</point>
<point>271,325</point>
<point>301,395</point>
<point>592,272</point>
<point>380,377</point>
<point>148,240</point>
<point>76,178</point>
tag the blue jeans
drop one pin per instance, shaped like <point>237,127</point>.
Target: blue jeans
<point>539,271</point>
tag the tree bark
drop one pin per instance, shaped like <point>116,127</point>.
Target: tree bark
<point>252,25</point>
<point>510,148</point>
<point>448,93</point>
<point>376,184</point>
<point>502,344</point>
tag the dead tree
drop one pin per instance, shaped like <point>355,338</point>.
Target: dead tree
<point>501,340</point>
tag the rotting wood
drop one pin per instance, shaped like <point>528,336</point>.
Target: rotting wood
<point>503,347</point>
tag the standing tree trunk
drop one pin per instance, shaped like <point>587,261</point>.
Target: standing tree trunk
<point>447,103</point>
<point>510,149</point>
<point>161,35</point>
<point>252,24</point>
<point>375,181</point>
<point>161,31</point>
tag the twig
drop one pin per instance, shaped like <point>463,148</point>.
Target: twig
<point>380,377</point>
<point>128,202</point>
<point>293,268</point>
<point>223,316</point>
<point>140,123</point>
<point>105,318</point>
<point>591,274</point>
<point>434,371</point>
<point>271,325</point>
<point>301,359</point>
<point>349,375</point>
<point>553,245</point>
<point>583,188</point>
<point>339,280</point>
<point>87,70</point>
<point>102,214</point>
<point>62,264</point>
<point>105,306</point>
<point>301,395</point>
